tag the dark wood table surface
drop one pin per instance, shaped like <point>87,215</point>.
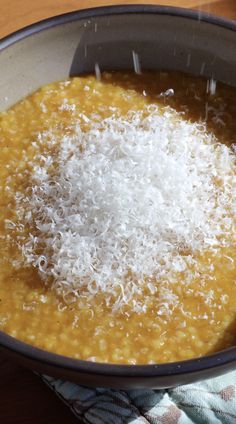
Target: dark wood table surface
<point>24,399</point>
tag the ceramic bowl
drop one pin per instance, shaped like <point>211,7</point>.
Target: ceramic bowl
<point>164,38</point>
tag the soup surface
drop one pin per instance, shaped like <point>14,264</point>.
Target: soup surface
<point>181,317</point>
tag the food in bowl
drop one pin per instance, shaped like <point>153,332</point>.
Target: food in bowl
<point>117,218</point>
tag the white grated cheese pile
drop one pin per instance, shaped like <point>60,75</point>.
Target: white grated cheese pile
<point>133,206</point>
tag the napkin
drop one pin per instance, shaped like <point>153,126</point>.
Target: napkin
<point>207,402</point>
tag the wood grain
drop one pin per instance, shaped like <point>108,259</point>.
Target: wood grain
<point>23,397</point>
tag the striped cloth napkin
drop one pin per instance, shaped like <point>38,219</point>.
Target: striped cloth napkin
<point>208,402</point>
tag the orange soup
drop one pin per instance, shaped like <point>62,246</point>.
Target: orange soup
<point>117,218</point>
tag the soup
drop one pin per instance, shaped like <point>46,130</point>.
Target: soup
<point>117,218</point>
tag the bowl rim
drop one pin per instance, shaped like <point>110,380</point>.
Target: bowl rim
<point>193,366</point>
<point>9,343</point>
<point>94,12</point>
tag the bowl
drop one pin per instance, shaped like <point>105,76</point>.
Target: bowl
<point>67,45</point>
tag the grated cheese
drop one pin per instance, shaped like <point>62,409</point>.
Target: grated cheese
<point>97,72</point>
<point>128,203</point>
<point>136,62</point>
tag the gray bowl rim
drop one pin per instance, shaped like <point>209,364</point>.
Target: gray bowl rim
<point>9,343</point>
<point>114,10</point>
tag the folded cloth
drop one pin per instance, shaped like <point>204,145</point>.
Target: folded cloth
<point>207,402</point>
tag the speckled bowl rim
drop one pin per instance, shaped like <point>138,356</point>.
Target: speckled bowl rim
<point>192,366</point>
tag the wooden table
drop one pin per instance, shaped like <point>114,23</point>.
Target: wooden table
<point>23,397</point>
